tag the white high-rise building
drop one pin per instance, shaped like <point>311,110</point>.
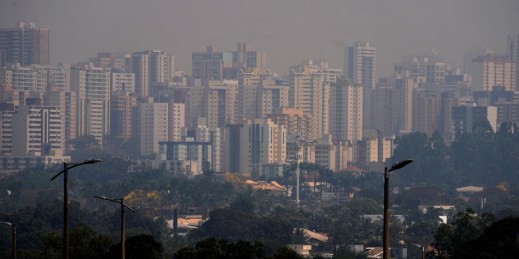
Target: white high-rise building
<point>20,78</point>
<point>309,92</point>
<point>258,95</point>
<point>39,131</point>
<point>6,130</point>
<point>177,120</point>
<point>153,126</point>
<point>36,78</point>
<point>92,87</point>
<point>360,66</point>
<point>214,101</point>
<point>513,52</point>
<point>346,111</point>
<point>489,71</point>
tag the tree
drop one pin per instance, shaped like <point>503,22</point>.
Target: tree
<point>286,253</point>
<point>466,227</point>
<point>140,246</point>
<point>213,248</point>
<point>84,243</point>
<point>499,240</point>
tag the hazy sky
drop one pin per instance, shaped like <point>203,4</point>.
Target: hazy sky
<point>288,30</point>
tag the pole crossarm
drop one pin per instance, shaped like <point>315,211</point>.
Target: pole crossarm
<point>7,223</point>
<point>116,201</point>
<point>72,165</point>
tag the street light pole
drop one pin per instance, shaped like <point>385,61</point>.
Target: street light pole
<point>394,167</point>
<point>13,236</point>
<point>66,167</point>
<point>123,228</point>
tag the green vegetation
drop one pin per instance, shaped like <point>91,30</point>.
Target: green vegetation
<point>247,223</point>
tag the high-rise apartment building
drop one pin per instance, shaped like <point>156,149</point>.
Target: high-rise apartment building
<point>346,110</point>
<point>39,131</point>
<point>35,78</point>
<point>122,82</point>
<point>513,53</point>
<point>20,78</point>
<point>25,44</point>
<point>489,71</point>
<point>92,87</point>
<point>215,136</point>
<point>404,88</point>
<point>7,111</point>
<point>294,120</point>
<point>150,67</point>
<point>214,101</point>
<point>123,106</point>
<point>244,58</point>
<point>426,111</point>
<point>116,61</point>
<point>308,91</point>
<point>258,95</point>
<point>384,108</point>
<point>54,97</point>
<point>153,126</point>
<point>53,76</point>
<point>176,119</point>
<point>428,68</point>
<point>360,66</point>
<point>219,65</point>
<point>210,65</point>
<point>250,145</point>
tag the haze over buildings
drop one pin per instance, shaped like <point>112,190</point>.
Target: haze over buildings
<point>250,107</point>
<point>288,30</point>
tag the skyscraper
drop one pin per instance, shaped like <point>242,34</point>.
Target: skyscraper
<point>308,91</point>
<point>513,52</point>
<point>92,87</point>
<point>150,67</point>
<point>346,110</point>
<point>491,70</point>
<point>210,65</point>
<point>39,130</point>
<point>26,44</point>
<point>360,66</point>
<point>122,108</point>
<point>153,126</point>
<point>255,143</point>
<point>258,95</point>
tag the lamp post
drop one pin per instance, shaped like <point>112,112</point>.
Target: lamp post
<point>66,167</point>
<point>394,167</point>
<point>123,229</point>
<point>13,235</point>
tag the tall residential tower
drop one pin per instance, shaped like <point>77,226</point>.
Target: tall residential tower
<point>25,44</point>
<point>360,67</point>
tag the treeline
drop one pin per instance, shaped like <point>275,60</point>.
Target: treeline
<point>481,158</point>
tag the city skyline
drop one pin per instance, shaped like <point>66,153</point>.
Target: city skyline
<point>280,28</point>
